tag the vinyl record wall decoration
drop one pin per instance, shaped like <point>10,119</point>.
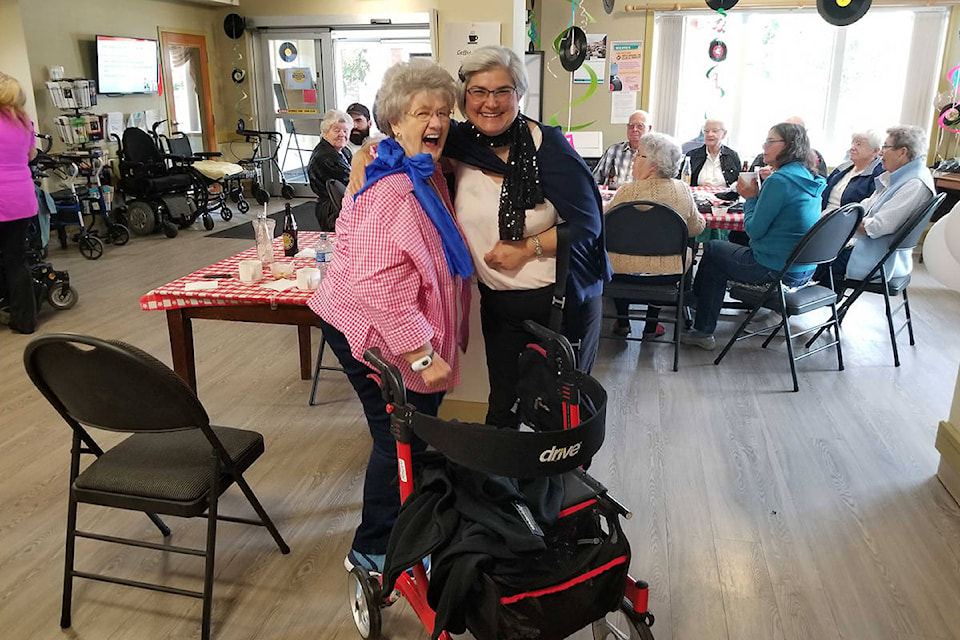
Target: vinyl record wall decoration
<point>288,52</point>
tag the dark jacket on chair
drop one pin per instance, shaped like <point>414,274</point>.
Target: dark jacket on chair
<point>325,163</point>
<point>729,164</point>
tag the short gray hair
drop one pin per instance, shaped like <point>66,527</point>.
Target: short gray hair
<point>332,117</point>
<point>486,59</point>
<point>870,136</point>
<point>404,80</point>
<point>911,138</point>
<point>662,152</point>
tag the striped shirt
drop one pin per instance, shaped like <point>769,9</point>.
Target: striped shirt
<point>389,284</point>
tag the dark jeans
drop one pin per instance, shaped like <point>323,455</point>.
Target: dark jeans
<point>724,261</point>
<point>839,268</point>
<point>623,311</point>
<point>381,496</point>
<point>18,285</point>
<point>501,317</point>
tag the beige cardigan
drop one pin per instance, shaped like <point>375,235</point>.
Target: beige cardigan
<point>673,193</point>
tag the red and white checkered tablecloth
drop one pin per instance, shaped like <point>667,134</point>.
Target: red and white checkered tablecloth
<point>230,291</point>
<point>728,221</point>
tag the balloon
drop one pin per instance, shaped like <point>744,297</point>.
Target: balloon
<point>952,232</point>
<point>937,257</point>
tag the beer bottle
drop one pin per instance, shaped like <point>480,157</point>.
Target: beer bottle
<point>745,166</point>
<point>290,246</point>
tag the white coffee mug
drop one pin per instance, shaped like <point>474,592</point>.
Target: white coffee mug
<point>56,73</point>
<point>308,278</point>
<point>250,271</point>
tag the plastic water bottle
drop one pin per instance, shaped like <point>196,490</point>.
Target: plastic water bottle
<point>324,255</point>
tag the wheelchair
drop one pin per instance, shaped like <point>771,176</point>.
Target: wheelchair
<point>525,577</point>
<point>221,179</point>
<point>158,191</point>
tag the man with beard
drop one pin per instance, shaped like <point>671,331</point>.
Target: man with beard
<point>361,125</point>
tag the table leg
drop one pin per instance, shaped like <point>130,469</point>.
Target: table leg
<point>306,354</point>
<point>181,346</point>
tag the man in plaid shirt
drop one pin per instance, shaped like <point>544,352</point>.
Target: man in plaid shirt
<point>616,165</point>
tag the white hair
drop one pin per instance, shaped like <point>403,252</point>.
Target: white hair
<point>332,117</point>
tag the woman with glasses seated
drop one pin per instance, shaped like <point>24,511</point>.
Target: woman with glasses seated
<point>397,281</point>
<point>713,164</point>
<point>776,218</point>
<point>658,157</point>
<point>854,180</point>
<point>906,186</point>
<point>516,181</point>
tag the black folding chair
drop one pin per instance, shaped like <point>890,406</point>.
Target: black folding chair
<point>820,245</point>
<point>648,229</point>
<point>877,281</point>
<point>175,463</point>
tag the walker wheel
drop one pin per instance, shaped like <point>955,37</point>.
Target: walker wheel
<point>91,247</point>
<point>226,212</point>
<point>287,192</point>
<point>118,234</point>
<point>243,206</point>
<point>208,221</point>
<point>364,600</point>
<point>624,624</point>
<point>170,230</point>
<point>262,196</point>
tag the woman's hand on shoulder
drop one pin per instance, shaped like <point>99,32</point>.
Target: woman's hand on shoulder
<point>508,255</point>
<point>438,375</point>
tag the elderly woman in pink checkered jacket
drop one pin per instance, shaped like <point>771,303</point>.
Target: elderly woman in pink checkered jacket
<point>397,280</point>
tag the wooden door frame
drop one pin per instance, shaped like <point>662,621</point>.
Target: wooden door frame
<point>199,41</point>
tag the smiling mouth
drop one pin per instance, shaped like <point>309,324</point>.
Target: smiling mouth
<point>431,142</point>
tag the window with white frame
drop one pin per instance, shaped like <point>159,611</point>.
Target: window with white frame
<point>878,72</point>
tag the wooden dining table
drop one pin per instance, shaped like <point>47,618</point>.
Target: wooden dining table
<point>235,301</point>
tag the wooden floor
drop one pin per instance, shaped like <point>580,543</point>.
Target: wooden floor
<point>759,513</point>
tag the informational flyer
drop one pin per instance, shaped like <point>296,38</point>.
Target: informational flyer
<point>596,59</point>
<point>622,105</point>
<point>626,66</point>
<point>461,38</point>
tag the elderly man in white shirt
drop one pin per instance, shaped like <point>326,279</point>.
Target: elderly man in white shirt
<point>616,164</point>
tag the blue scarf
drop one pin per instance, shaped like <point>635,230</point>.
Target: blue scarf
<point>391,159</point>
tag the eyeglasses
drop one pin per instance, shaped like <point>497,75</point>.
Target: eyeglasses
<point>640,126</point>
<point>717,131</point>
<point>425,115</point>
<point>891,146</point>
<point>479,94</point>
<point>770,141</point>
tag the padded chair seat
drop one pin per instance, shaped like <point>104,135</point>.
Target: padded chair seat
<point>799,301</point>
<point>894,285</point>
<point>171,467</point>
<point>217,170</point>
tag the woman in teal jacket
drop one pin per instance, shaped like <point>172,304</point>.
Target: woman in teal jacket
<point>775,217</point>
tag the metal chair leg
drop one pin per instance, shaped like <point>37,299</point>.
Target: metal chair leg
<point>262,513</point>
<point>69,551</point>
<point>316,371</point>
<point>793,361</point>
<point>890,327</point>
<point>210,552</point>
<point>836,333</point>
<point>906,309</point>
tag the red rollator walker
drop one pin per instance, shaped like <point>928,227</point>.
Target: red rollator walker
<point>515,575</point>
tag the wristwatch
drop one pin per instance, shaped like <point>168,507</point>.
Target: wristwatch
<point>537,247</point>
<point>422,363</point>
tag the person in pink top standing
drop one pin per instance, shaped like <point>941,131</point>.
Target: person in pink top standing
<point>397,281</point>
<point>18,204</point>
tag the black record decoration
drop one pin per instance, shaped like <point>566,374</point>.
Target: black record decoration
<point>573,48</point>
<point>726,5</point>
<point>842,12</point>
<point>950,114</point>
<point>718,50</point>
<point>288,52</point>
<point>608,6</point>
<point>238,76</point>
<point>233,26</point>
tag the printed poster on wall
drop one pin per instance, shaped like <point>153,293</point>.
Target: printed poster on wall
<point>626,66</point>
<point>462,38</point>
<point>596,59</point>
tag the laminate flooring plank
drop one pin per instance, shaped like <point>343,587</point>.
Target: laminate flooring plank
<point>748,599</point>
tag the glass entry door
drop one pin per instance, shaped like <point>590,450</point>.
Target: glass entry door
<point>292,70</point>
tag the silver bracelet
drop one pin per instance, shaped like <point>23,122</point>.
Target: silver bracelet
<point>537,247</point>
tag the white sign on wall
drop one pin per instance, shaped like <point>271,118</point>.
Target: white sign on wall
<point>461,38</point>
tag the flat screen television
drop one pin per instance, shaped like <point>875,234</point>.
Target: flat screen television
<point>127,65</point>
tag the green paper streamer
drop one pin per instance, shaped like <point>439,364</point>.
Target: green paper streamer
<point>594,83</point>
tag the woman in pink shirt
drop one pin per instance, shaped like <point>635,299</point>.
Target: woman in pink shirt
<point>18,204</point>
<point>397,280</point>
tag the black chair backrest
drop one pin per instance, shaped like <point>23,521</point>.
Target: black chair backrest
<point>111,385</point>
<point>336,190</point>
<point>179,146</point>
<point>139,147</point>
<point>827,237</point>
<point>644,228</point>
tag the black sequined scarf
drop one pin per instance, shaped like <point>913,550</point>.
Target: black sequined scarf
<point>521,188</point>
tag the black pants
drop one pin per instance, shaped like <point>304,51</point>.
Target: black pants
<point>623,312</point>
<point>502,314</point>
<point>381,497</point>
<point>16,275</point>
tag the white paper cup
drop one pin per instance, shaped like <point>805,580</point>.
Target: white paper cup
<point>250,271</point>
<point>282,270</point>
<point>719,210</point>
<point>308,278</point>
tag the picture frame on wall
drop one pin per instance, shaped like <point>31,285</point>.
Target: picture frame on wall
<point>533,102</point>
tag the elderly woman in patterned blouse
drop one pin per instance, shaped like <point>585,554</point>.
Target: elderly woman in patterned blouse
<point>396,281</point>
